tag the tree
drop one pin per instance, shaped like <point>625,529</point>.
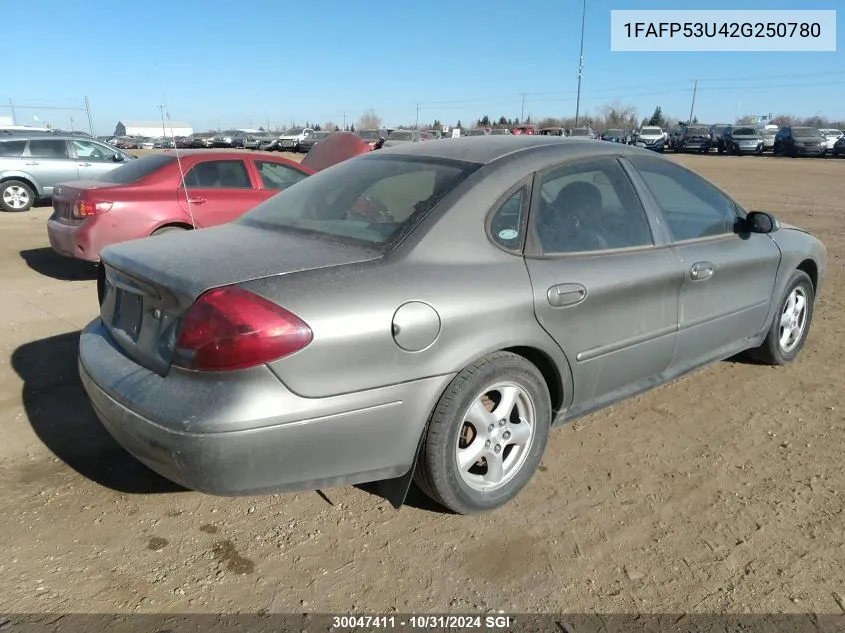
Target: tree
<point>317,128</point>
<point>369,120</point>
<point>657,118</point>
<point>330,125</point>
<point>459,126</point>
<point>337,128</point>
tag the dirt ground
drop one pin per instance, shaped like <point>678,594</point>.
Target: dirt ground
<point>723,492</point>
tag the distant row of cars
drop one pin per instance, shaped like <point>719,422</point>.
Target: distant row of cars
<point>737,139</point>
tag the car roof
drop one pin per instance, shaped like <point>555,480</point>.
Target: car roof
<point>39,136</point>
<point>490,148</point>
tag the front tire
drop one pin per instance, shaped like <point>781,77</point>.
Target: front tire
<point>486,436</point>
<point>16,196</point>
<point>791,323</point>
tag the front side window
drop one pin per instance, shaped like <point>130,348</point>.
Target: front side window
<point>276,176</point>
<point>590,206</point>
<point>371,198</point>
<point>48,148</point>
<point>692,207</point>
<point>218,174</point>
<point>92,151</point>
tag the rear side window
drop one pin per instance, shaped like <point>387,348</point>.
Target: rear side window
<point>218,174</point>
<point>12,148</point>
<point>48,149</point>
<point>135,170</point>
<point>506,225</point>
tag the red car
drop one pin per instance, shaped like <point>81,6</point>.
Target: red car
<point>149,196</point>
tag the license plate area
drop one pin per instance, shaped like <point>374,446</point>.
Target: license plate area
<point>127,313</point>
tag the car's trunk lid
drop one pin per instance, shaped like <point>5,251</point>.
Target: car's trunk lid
<point>66,195</point>
<point>146,286</point>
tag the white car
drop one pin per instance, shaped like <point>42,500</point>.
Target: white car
<point>291,139</point>
<point>831,136</point>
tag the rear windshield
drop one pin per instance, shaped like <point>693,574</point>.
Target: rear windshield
<point>400,136</point>
<point>744,131</point>
<point>12,148</point>
<point>369,135</point>
<point>136,169</point>
<point>371,199</point>
<point>580,131</point>
<point>697,130</point>
<point>805,132</point>
<point>614,132</point>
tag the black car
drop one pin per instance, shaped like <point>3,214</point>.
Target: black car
<point>839,147</point>
<point>614,135</point>
<point>310,141</point>
<point>800,141</point>
<point>693,138</point>
<point>716,132</point>
<point>742,140</point>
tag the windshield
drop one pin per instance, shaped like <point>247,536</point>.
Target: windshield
<point>580,131</point>
<point>744,131</point>
<point>369,135</point>
<point>718,129</point>
<point>135,170</point>
<point>770,132</point>
<point>835,133</point>
<point>805,132</point>
<point>400,136</point>
<point>651,130</point>
<point>294,131</point>
<point>321,134</point>
<point>697,129</point>
<point>475,133</point>
<point>371,199</point>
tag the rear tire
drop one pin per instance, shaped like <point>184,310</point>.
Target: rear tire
<point>791,323</point>
<point>16,196</point>
<point>486,436</point>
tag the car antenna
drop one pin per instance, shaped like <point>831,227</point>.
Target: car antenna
<point>181,170</point>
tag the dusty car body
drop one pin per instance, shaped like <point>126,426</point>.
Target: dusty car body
<point>429,311</point>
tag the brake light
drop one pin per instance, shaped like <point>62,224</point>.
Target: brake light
<point>86,209</point>
<point>230,328</point>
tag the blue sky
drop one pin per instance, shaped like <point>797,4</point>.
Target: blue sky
<point>239,64</point>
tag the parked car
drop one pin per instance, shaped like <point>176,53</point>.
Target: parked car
<point>500,131</point>
<point>476,132</point>
<point>839,147</point>
<point>149,197</point>
<point>716,136</point>
<point>255,140</point>
<point>552,131</point>
<point>398,137</point>
<point>583,132</point>
<point>831,136</point>
<point>742,139</point>
<point>613,135</point>
<point>308,144</point>
<point>799,141</point>
<point>652,138</point>
<point>768,132</point>
<point>215,362</point>
<point>31,165</point>
<point>692,138</point>
<point>290,140</point>
<point>434,134</point>
<point>375,138</point>
<point>164,143</point>
<point>528,130</point>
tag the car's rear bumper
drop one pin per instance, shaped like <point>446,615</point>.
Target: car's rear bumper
<point>244,432</point>
<point>71,240</point>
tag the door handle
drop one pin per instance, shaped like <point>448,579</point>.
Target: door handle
<point>566,295</point>
<point>36,163</point>
<point>197,200</point>
<point>84,164</point>
<point>701,270</point>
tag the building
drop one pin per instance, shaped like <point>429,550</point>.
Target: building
<point>152,128</point>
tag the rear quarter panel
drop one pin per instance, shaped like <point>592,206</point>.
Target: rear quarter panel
<point>482,294</point>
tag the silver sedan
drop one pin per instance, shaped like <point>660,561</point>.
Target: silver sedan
<point>429,312</point>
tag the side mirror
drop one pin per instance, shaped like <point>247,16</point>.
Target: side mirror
<point>118,158</point>
<point>761,222</point>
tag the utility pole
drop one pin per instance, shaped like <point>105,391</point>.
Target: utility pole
<point>692,105</point>
<point>163,131</point>
<point>522,112</point>
<point>12,108</point>
<point>580,63</point>
<point>88,111</point>
<point>417,124</point>
<point>738,104</point>
<point>344,122</point>
<point>71,125</point>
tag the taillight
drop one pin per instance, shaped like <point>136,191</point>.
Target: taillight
<point>86,209</point>
<point>230,328</point>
